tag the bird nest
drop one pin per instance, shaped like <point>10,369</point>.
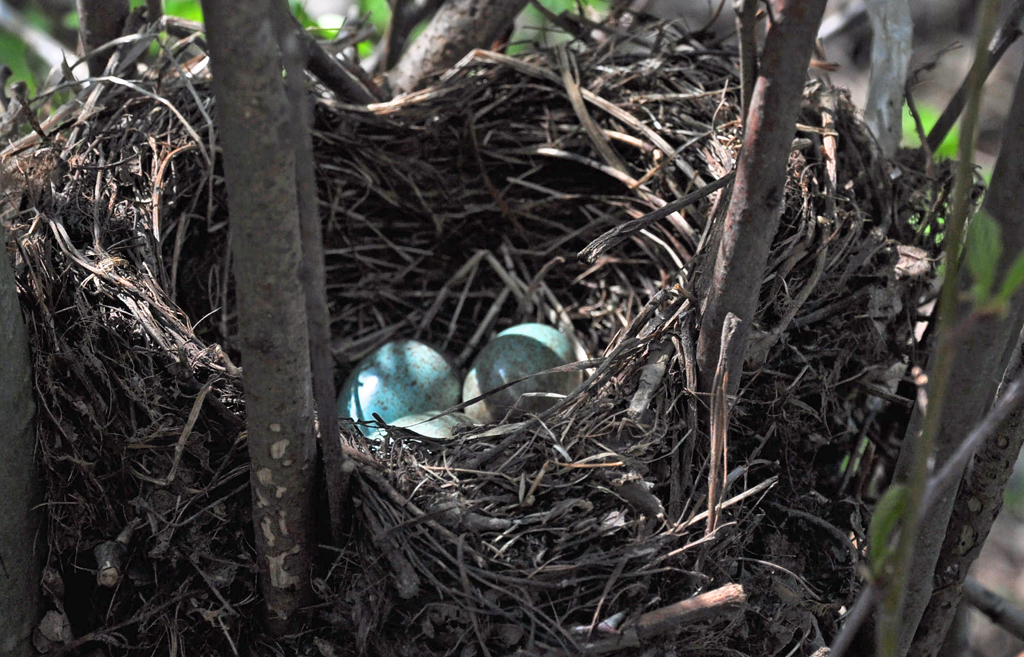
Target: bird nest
<point>449,214</point>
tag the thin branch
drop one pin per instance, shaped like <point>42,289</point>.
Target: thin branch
<point>941,482</point>
<point>999,610</point>
<point>949,476</point>
<point>729,351</point>
<point>1008,33</point>
<point>965,364</point>
<point>987,349</point>
<point>311,272</point>
<point>721,603</point>
<point>746,29</point>
<point>342,77</point>
<point>855,619</point>
<point>756,204</point>
<point>405,18</point>
<point>622,232</point>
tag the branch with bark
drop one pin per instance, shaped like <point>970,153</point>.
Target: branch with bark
<point>939,485</point>
<point>407,14</point>
<point>100,21</point>
<point>970,347</point>
<point>757,198</point>
<point>22,545</point>
<point>254,119</point>
<point>458,27</point>
<point>985,350</point>
<point>892,39</point>
<point>999,610</point>
<point>311,272</point>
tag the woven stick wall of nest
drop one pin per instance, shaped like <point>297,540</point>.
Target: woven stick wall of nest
<point>449,214</point>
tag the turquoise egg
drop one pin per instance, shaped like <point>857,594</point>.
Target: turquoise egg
<point>440,427</point>
<point>514,353</point>
<point>400,378</point>
<point>548,336</point>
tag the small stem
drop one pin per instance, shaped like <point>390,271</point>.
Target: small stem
<point>890,618</point>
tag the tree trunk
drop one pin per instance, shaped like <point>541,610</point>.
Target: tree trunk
<point>457,27</point>
<point>22,547</point>
<point>259,166</point>
<point>757,196</point>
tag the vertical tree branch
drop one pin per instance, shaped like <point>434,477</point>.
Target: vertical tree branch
<point>746,33</point>
<point>406,15</point>
<point>719,425</point>
<point>756,204</point>
<point>311,272</point>
<point>985,350</point>
<point>259,165</point>
<point>343,77</point>
<point>100,21</point>
<point>154,10</point>
<point>22,545</point>
<point>969,368</point>
<point>892,40</point>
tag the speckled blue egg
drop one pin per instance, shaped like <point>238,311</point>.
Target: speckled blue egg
<point>514,353</point>
<point>438,427</point>
<point>548,336</point>
<point>400,378</point>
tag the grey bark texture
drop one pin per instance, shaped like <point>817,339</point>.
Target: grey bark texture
<point>458,27</point>
<point>22,548</point>
<point>253,116</point>
<point>891,44</point>
<point>982,355</point>
<point>757,196</point>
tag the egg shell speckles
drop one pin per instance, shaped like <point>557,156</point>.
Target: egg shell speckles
<point>510,356</point>
<point>400,378</point>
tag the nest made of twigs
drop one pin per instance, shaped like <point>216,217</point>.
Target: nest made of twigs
<point>449,214</point>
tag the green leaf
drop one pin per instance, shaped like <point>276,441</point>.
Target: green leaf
<point>884,521</point>
<point>1014,279</point>
<point>984,246</point>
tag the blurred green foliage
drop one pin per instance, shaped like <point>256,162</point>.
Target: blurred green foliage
<point>929,114</point>
<point>25,65</point>
<point>13,52</point>
<point>533,28</point>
